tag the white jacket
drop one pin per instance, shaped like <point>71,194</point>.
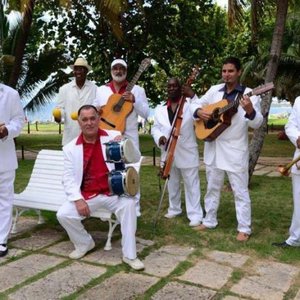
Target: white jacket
<point>140,108</point>
<point>11,113</point>
<point>186,152</point>
<point>292,129</point>
<point>229,151</point>
<point>70,99</point>
<point>73,164</point>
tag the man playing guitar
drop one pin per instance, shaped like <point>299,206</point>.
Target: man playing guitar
<point>228,152</point>
<point>137,96</point>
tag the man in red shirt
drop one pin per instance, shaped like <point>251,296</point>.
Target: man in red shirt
<point>86,185</point>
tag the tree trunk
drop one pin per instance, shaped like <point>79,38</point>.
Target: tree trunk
<point>259,134</point>
<point>21,44</point>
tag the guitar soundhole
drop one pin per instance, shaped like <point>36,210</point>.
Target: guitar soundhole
<point>211,124</point>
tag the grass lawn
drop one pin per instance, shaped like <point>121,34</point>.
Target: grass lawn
<point>271,205</point>
<point>271,215</point>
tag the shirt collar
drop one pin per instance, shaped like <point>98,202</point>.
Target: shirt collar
<point>169,102</point>
<point>122,88</point>
<point>238,88</point>
<point>81,141</point>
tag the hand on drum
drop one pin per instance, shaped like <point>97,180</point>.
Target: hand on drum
<point>118,138</point>
<point>82,208</point>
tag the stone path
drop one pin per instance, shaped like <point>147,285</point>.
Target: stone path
<point>38,267</point>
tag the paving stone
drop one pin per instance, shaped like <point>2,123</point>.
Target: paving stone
<point>232,298</point>
<point>39,239</point>
<point>114,256</point>
<point>66,247</point>
<point>25,268</point>
<point>274,174</point>
<point>233,259</point>
<point>163,261</point>
<point>208,274</point>
<point>144,242</point>
<point>262,171</point>
<point>120,286</point>
<point>271,281</point>
<point>178,291</point>
<point>12,252</point>
<point>297,296</point>
<point>59,283</point>
<point>25,224</point>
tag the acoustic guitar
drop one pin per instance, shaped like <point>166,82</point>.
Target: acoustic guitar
<point>222,112</point>
<point>114,113</point>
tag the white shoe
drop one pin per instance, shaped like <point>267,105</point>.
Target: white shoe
<point>135,264</point>
<point>168,216</point>
<point>194,223</point>
<point>78,253</point>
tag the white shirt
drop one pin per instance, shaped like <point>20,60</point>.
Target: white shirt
<point>70,99</point>
<point>11,113</point>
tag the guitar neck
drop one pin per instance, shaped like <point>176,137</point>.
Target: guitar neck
<point>134,80</point>
<point>235,103</point>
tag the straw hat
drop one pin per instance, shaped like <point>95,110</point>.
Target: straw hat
<point>119,62</point>
<point>81,62</point>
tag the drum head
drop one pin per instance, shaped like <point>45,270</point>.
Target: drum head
<point>129,151</point>
<point>132,181</point>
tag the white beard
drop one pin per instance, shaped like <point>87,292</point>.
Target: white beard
<point>119,79</point>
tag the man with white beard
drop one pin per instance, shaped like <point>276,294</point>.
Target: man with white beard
<point>137,96</point>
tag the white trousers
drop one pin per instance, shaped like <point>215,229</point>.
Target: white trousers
<point>6,203</point>
<point>122,207</point>
<point>191,189</point>
<point>294,238</point>
<point>239,185</point>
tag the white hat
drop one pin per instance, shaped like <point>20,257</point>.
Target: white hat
<point>81,62</point>
<point>118,62</point>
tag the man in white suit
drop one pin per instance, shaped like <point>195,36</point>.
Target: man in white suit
<point>229,151</point>
<point>292,129</point>
<point>137,96</point>
<point>86,185</point>
<point>11,123</point>
<point>186,157</point>
<point>72,96</point>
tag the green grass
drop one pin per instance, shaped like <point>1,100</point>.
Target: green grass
<point>271,215</point>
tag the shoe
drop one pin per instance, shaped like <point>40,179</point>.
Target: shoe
<point>3,250</point>
<point>168,216</point>
<point>242,237</point>
<point>78,253</point>
<point>282,245</point>
<point>138,214</point>
<point>194,223</point>
<point>135,264</point>
<point>201,227</point>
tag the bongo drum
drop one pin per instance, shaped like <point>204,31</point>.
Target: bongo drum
<point>123,182</point>
<point>120,151</point>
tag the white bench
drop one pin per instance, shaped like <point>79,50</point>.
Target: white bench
<point>46,192</point>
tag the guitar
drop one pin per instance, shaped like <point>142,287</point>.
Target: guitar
<point>222,112</point>
<point>114,113</point>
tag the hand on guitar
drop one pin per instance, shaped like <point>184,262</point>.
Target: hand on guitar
<point>203,114</point>
<point>162,141</point>
<point>128,96</point>
<point>246,104</point>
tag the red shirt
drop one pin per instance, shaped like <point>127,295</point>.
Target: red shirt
<point>121,91</point>
<point>95,172</point>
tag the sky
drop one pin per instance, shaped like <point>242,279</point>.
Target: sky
<point>222,2</point>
